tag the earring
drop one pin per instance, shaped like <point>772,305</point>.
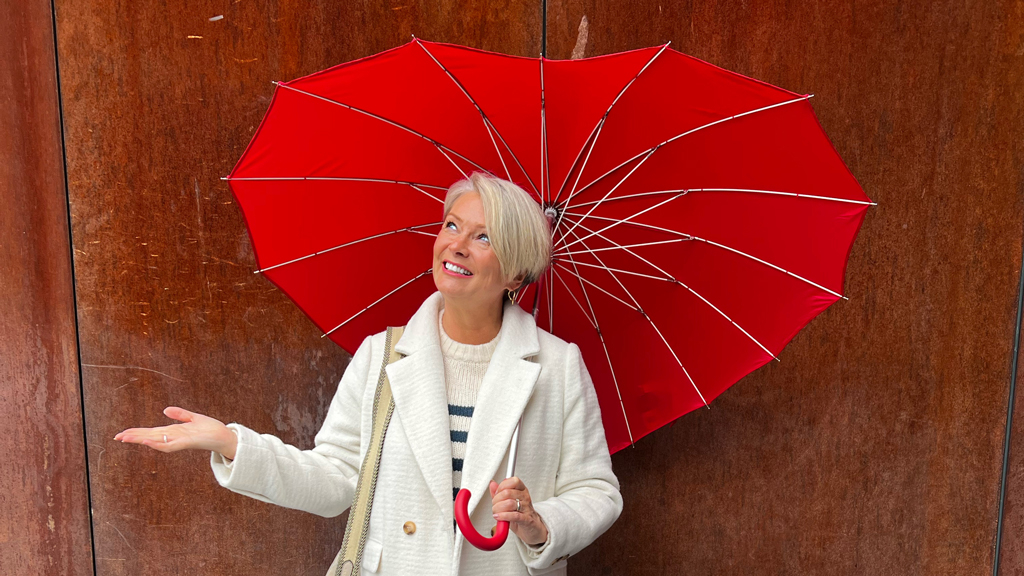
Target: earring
<point>512,295</point>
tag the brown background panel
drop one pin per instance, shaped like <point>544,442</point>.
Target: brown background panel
<point>44,505</point>
<point>1011,557</point>
<point>875,446</point>
<point>160,102</point>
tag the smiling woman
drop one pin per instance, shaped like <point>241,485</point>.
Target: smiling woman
<point>468,367</point>
<point>494,240</point>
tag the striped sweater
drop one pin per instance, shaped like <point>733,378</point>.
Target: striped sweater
<point>464,368</point>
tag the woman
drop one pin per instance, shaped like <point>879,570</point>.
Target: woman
<point>472,364</point>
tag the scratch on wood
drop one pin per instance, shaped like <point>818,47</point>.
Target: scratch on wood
<point>122,537</point>
<point>133,368</point>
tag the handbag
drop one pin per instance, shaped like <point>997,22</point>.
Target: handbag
<point>348,561</point>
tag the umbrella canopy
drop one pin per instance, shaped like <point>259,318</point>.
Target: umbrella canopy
<point>701,218</point>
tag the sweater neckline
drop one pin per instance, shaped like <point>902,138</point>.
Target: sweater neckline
<point>465,352</point>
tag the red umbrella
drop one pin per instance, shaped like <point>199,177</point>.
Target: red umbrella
<point>701,218</point>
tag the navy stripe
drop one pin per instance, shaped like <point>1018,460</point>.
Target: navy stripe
<point>457,464</point>
<point>455,492</point>
<point>459,436</point>
<point>455,410</point>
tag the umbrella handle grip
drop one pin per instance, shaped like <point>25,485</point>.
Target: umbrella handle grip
<point>469,531</point>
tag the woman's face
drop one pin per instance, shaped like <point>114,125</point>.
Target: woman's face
<point>465,267</point>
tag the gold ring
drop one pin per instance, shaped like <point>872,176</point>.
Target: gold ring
<point>517,505</point>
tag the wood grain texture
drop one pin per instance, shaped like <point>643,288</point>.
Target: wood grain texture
<point>160,100</point>
<point>875,446</point>
<point>1011,557</point>
<point>44,523</point>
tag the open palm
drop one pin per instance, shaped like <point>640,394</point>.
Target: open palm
<point>196,432</point>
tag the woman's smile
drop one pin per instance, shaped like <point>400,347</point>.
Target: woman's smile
<point>455,270</point>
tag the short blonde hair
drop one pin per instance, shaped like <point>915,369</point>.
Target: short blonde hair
<point>516,225</point>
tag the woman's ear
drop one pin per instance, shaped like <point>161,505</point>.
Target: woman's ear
<point>516,282</point>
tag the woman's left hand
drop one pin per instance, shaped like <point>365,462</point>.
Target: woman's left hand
<point>526,523</point>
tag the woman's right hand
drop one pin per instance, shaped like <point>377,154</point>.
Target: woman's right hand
<point>197,432</point>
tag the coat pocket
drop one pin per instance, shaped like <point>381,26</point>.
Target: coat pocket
<point>372,551</point>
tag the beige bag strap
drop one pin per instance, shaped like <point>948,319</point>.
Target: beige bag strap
<point>350,557</point>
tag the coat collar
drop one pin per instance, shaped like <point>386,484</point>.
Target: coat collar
<point>417,383</point>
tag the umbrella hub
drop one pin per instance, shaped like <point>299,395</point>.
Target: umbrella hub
<point>552,213</point>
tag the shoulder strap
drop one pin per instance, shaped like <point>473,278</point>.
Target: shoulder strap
<point>349,559</point>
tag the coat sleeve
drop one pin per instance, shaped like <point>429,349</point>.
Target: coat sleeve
<point>587,499</point>
<point>322,480</point>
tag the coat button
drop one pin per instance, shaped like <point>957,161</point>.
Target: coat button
<point>409,527</point>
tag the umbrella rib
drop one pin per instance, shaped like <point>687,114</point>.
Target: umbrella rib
<point>691,290</point>
<point>411,229</point>
<point>615,223</point>
<point>488,125</point>
<point>618,247</point>
<point>582,309</point>
<point>653,149</point>
<point>609,193</point>
<point>630,272</point>
<point>720,245</point>
<point>444,150</point>
<point>653,325</point>
<point>551,304</point>
<point>338,178</point>
<point>353,317</point>
<point>600,125</point>
<point>604,345</point>
<point>627,304</point>
<point>742,190</point>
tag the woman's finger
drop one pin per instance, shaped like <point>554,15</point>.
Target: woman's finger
<point>510,506</point>
<point>517,517</point>
<point>161,446</point>
<point>179,414</point>
<point>511,483</point>
<point>503,495</point>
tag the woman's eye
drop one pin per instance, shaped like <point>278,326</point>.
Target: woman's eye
<point>449,223</point>
<point>485,238</point>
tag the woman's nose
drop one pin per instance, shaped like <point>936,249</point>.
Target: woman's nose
<point>458,245</point>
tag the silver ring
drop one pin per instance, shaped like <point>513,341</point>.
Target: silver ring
<point>165,438</point>
<point>517,505</point>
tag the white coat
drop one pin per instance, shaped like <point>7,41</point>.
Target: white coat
<point>563,456</point>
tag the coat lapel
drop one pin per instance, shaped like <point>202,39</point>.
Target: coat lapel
<point>417,383</point>
<point>507,386</point>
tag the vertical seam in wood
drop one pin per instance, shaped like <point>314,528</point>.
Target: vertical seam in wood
<point>544,28</point>
<point>74,288</point>
<point>1009,415</point>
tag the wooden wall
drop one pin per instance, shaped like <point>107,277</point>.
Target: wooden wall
<point>44,502</point>
<point>160,102</point>
<point>874,447</point>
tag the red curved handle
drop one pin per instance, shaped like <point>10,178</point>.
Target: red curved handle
<point>466,526</point>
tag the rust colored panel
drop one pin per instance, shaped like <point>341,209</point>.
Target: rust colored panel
<point>44,523</point>
<point>1011,557</point>
<point>875,446</point>
<point>160,101</point>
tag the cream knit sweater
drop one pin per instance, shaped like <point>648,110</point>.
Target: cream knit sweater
<point>464,368</point>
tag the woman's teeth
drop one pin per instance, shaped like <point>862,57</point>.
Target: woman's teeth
<point>457,269</point>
